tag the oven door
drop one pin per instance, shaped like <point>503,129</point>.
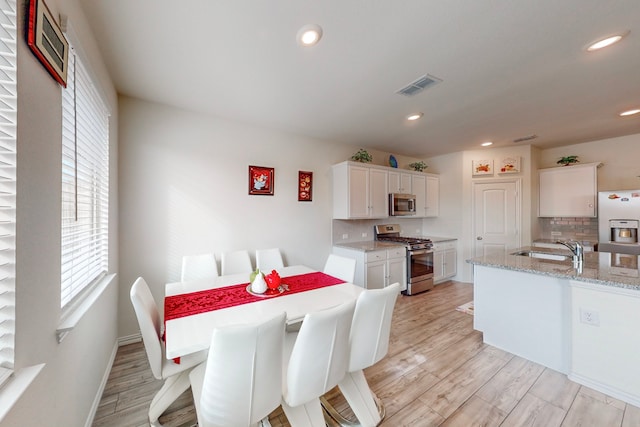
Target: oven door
<point>420,271</point>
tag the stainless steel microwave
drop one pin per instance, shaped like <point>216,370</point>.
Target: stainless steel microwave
<point>402,204</point>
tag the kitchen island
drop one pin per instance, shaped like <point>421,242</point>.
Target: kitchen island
<point>578,320</point>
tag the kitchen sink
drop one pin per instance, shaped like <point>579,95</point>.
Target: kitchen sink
<point>543,255</point>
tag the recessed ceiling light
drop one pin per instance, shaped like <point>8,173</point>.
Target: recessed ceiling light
<point>630,112</point>
<point>309,35</point>
<point>414,116</point>
<point>486,144</point>
<point>606,42</point>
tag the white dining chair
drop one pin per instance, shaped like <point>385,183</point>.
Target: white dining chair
<point>196,267</point>
<point>316,360</point>
<point>341,267</point>
<point>235,262</point>
<point>269,259</point>
<point>368,344</point>
<point>175,376</point>
<point>241,382</point>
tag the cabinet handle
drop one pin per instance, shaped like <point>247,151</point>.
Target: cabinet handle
<point>479,238</point>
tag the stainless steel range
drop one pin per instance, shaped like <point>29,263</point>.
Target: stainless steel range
<point>419,257</point>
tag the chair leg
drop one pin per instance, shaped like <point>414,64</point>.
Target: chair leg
<point>361,399</point>
<point>307,415</point>
<point>172,388</point>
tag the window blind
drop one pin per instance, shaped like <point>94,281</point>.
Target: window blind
<point>85,182</point>
<point>8,116</point>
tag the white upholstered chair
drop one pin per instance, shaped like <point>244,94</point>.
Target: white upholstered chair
<point>269,259</point>
<point>241,382</point>
<point>368,344</point>
<point>196,267</point>
<point>175,376</point>
<point>341,267</point>
<point>235,262</point>
<point>316,360</point>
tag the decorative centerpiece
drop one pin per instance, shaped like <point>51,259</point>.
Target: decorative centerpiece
<point>418,166</point>
<point>362,156</point>
<point>258,284</point>
<point>568,160</point>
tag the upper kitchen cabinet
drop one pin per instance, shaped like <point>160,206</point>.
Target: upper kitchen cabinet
<point>400,182</point>
<point>424,186</point>
<point>360,191</point>
<point>432,203</point>
<point>569,191</point>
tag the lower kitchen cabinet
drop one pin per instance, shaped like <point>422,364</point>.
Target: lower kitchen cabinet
<point>379,268</point>
<point>445,260</point>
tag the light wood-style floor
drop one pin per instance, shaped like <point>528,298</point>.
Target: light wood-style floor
<point>437,373</point>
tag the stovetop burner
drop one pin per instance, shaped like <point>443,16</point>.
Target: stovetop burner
<point>391,233</point>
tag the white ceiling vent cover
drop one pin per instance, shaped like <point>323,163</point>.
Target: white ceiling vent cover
<point>419,85</point>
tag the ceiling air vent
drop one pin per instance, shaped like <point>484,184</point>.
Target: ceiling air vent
<point>419,85</point>
<point>525,138</point>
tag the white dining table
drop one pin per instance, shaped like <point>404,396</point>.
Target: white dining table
<point>192,333</point>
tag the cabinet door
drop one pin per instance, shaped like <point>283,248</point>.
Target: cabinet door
<point>433,196</point>
<point>568,191</point>
<point>358,192</point>
<point>438,265</point>
<point>397,268</point>
<point>419,189</point>
<point>378,193</point>
<point>449,264</point>
<point>375,275</point>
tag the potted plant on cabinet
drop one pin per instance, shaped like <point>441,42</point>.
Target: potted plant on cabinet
<point>568,160</point>
<point>418,166</point>
<point>362,156</point>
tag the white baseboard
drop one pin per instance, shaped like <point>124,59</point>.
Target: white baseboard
<point>129,339</point>
<point>103,384</point>
<point>606,389</point>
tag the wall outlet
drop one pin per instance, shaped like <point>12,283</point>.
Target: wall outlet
<point>345,236</point>
<point>364,234</point>
<point>589,317</point>
<point>556,233</point>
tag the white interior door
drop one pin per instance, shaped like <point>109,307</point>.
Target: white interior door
<point>496,216</point>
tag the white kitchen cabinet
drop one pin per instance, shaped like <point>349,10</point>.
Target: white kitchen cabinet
<point>568,191</point>
<point>360,191</point>
<point>400,182</point>
<point>445,260</point>
<point>379,268</point>
<point>419,187</point>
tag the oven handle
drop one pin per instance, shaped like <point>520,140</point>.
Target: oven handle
<point>420,252</point>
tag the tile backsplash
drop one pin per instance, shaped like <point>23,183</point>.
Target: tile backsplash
<point>349,231</point>
<point>569,228</point>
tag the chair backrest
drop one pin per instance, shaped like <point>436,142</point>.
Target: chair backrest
<point>341,267</point>
<point>369,340</point>
<point>243,377</point>
<point>269,259</point>
<point>195,267</point>
<point>235,262</point>
<point>149,320</point>
<point>320,355</point>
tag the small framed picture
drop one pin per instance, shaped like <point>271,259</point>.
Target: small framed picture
<point>261,180</point>
<point>482,167</point>
<point>305,186</point>
<point>47,42</point>
<point>509,165</point>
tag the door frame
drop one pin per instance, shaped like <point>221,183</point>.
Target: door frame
<point>518,182</point>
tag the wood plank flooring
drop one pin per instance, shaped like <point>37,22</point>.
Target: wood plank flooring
<point>437,373</point>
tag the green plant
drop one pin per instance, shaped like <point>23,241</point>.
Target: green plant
<point>418,166</point>
<point>362,156</point>
<point>567,160</point>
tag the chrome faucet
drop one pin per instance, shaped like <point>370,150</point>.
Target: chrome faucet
<point>576,249</point>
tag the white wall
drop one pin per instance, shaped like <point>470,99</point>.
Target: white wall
<point>184,190</point>
<point>619,156</point>
<point>64,392</point>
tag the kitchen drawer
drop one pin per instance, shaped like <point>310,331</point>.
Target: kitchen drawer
<point>375,256</point>
<point>397,253</point>
<point>443,246</point>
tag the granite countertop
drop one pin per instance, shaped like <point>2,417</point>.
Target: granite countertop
<point>369,245</point>
<point>602,268</point>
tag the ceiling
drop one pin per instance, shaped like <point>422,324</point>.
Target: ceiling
<point>509,69</point>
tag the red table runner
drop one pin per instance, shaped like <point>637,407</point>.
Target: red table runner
<point>182,305</point>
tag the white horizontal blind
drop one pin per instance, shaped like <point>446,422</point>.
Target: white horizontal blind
<point>85,182</point>
<point>8,116</point>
